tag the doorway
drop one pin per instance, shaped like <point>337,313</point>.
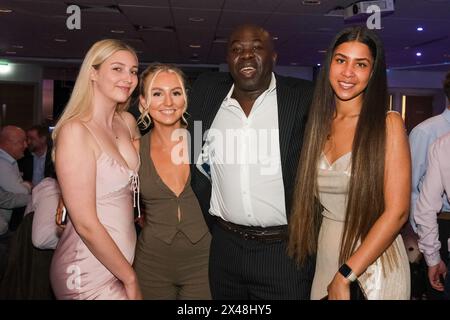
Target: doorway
<point>416,109</point>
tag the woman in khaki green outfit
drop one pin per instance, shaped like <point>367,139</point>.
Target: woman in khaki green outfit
<point>173,248</point>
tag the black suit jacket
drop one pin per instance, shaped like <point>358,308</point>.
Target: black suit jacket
<point>26,165</point>
<point>294,97</point>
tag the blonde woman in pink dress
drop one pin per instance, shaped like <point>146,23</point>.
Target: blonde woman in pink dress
<point>97,162</point>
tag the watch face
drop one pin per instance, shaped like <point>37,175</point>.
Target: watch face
<point>345,270</point>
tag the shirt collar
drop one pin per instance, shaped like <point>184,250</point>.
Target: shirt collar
<point>5,155</point>
<point>446,114</point>
<point>272,87</point>
<point>43,155</point>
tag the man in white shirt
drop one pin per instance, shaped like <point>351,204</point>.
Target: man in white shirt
<point>12,147</point>
<point>436,184</point>
<point>245,174</point>
<point>420,139</point>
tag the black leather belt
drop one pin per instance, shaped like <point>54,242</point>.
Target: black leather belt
<point>269,234</point>
<point>443,215</point>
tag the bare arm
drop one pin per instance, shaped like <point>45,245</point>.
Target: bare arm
<point>10,200</point>
<point>397,190</point>
<point>76,169</point>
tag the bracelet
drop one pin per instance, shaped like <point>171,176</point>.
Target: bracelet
<point>347,272</point>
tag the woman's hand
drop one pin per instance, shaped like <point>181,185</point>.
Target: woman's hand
<point>132,290</point>
<point>339,288</point>
<point>140,221</point>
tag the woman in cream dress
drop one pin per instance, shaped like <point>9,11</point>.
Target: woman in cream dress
<point>353,189</point>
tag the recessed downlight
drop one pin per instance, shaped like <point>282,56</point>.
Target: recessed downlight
<point>196,19</point>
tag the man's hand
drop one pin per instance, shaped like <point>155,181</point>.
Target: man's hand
<point>434,275</point>
<point>28,185</point>
<point>140,221</point>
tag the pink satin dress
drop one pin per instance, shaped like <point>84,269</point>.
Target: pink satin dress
<point>75,273</point>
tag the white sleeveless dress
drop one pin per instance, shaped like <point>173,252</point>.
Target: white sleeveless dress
<point>377,282</point>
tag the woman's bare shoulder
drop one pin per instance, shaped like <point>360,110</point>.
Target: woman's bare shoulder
<point>394,121</point>
<point>128,117</point>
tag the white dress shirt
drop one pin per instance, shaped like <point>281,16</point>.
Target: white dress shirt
<point>436,183</point>
<point>245,162</point>
<point>44,201</point>
<point>38,167</point>
<point>420,139</point>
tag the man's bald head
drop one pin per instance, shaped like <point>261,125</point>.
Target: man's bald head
<point>253,28</point>
<point>13,140</point>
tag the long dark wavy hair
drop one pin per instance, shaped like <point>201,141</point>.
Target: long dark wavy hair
<point>365,202</point>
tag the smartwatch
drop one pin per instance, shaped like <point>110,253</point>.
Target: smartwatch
<point>347,272</point>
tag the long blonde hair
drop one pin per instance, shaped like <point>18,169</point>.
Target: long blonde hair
<point>147,78</point>
<point>80,102</point>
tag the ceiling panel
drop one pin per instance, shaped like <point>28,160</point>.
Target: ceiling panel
<point>251,5</point>
<point>301,31</point>
<point>230,19</point>
<point>198,4</point>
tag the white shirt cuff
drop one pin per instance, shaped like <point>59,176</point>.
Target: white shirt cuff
<point>432,259</point>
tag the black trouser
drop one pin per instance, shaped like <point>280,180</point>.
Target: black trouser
<point>242,269</point>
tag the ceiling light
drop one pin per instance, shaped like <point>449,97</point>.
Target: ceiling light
<point>419,29</point>
<point>60,40</point>
<point>195,46</point>
<point>155,28</point>
<point>419,54</point>
<point>275,38</point>
<point>10,52</point>
<point>5,10</point>
<point>293,63</point>
<point>322,51</point>
<point>17,46</point>
<point>117,31</point>
<point>311,2</point>
<point>196,19</point>
<point>318,64</point>
<point>220,40</point>
<point>5,68</point>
